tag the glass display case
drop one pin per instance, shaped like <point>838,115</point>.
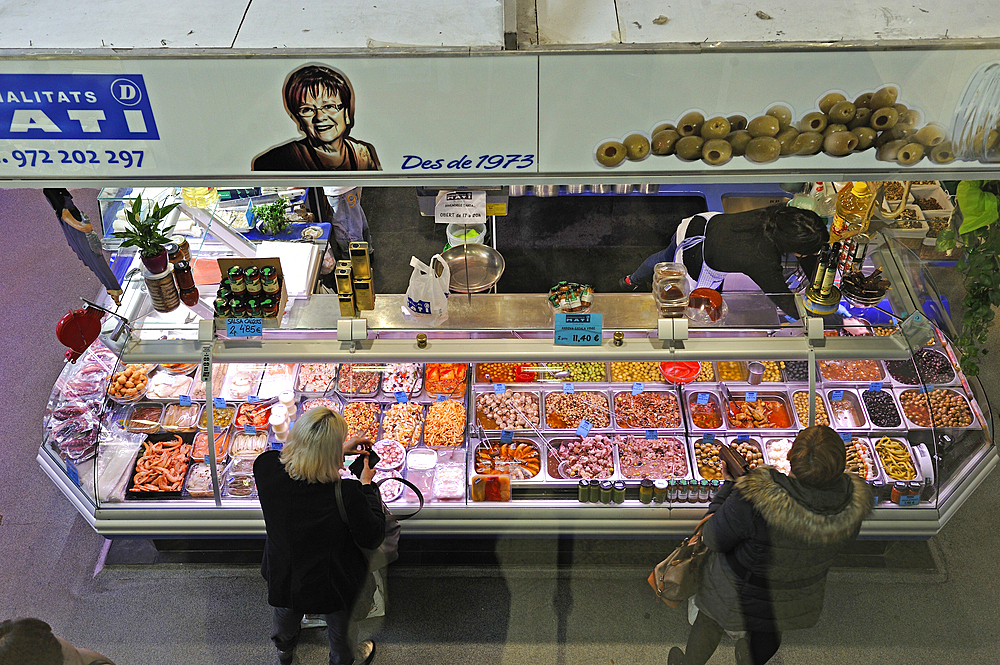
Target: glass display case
<point>505,431</point>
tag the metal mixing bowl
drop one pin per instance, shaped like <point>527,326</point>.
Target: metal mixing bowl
<point>474,268</point>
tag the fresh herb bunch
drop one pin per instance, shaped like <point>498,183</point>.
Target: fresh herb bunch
<point>271,217</point>
<point>144,232</point>
<point>981,270</point>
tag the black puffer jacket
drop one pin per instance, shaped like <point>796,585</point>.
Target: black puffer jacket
<point>773,540</point>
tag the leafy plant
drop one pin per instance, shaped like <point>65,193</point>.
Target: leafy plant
<point>981,269</point>
<point>144,231</point>
<point>271,217</point>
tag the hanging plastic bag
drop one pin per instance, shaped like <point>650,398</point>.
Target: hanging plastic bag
<point>427,294</point>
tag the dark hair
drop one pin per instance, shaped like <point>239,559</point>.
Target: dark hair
<point>794,229</point>
<point>312,80</point>
<point>817,456</point>
<point>29,642</point>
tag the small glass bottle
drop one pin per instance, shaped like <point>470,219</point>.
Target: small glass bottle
<point>672,486</point>
<point>898,491</point>
<point>252,279</point>
<point>618,493</point>
<point>583,491</point>
<point>269,280</point>
<point>237,284</point>
<point>595,491</point>
<point>607,487</point>
<point>660,490</point>
<point>269,308</point>
<point>646,491</point>
<point>703,491</point>
<point>716,486</point>
<point>682,491</point>
<point>914,488</point>
<point>237,308</point>
<point>222,307</point>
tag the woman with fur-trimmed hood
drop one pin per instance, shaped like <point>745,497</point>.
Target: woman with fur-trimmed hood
<point>772,539</point>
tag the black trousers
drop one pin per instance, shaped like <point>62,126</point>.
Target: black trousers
<point>706,634</point>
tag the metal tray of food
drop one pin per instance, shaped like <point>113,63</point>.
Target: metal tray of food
<point>703,412</point>
<point>631,371</point>
<point>406,378</point>
<point>522,458</point>
<point>892,470</point>
<point>508,372</point>
<point>665,457</point>
<point>513,409</point>
<point>797,371</point>
<point>705,457</point>
<point>449,379</point>
<point>315,378</point>
<point>772,410</point>
<point>800,403</point>
<point>848,413</point>
<point>364,418</point>
<point>731,370</point>
<point>572,458</point>
<point>595,408</point>
<point>877,408</point>
<point>445,424</point>
<point>866,453</point>
<point>656,408</point>
<point>577,372</point>
<point>851,371</point>
<point>928,366</point>
<point>308,402</point>
<point>950,407</point>
<point>776,447</point>
<point>403,422</point>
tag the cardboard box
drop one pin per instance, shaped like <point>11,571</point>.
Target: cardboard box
<point>226,263</point>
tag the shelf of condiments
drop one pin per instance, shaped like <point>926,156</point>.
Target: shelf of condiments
<point>249,291</point>
<point>552,423</point>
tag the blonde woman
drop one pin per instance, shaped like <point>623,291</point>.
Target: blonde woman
<point>312,561</point>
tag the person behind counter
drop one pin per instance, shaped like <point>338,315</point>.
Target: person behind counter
<point>31,642</point>
<point>772,539</point>
<point>312,559</point>
<point>713,244</point>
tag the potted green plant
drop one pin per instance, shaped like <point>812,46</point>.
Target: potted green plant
<point>270,217</point>
<point>144,233</point>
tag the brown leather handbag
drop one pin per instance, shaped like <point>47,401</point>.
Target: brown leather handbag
<point>676,578</point>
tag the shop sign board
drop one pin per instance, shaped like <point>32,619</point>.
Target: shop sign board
<point>460,207</point>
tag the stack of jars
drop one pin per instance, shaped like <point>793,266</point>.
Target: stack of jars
<point>670,289</point>
<point>253,292</point>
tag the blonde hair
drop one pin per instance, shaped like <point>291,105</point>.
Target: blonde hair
<point>315,450</point>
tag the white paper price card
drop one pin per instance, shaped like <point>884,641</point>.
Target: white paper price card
<point>462,207</point>
<point>244,327</point>
<point>578,329</point>
<point>584,428</point>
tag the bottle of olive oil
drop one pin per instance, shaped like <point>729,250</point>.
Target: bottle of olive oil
<point>852,208</point>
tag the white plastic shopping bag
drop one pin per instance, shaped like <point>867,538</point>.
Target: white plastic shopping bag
<point>427,294</point>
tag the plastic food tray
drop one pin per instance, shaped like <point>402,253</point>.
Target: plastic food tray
<point>975,424</point>
<point>418,385</point>
<point>465,428</point>
<point>332,402</point>
<point>768,395</point>
<point>186,492</point>
<point>198,408</point>
<point>874,439</point>
<point>479,449</point>
<point>408,443</point>
<point>162,375</point>
<point>231,392</point>
<point>596,426</point>
<point>374,406</point>
<point>852,398</point>
<point>329,387</point>
<point>657,391</point>
<point>803,419</point>
<point>691,396</point>
<point>225,434</point>
<point>203,416</point>
<point>480,421</point>
<point>553,459</point>
<point>186,437</point>
<point>239,479</point>
<point>265,392</point>
<point>661,434</point>
<point>365,369</point>
<point>935,192</point>
<point>144,428</point>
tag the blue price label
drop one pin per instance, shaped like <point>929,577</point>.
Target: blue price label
<point>244,327</point>
<point>252,398</point>
<point>217,429</point>
<point>441,398</point>
<point>249,429</point>
<point>499,388</point>
<point>751,396</point>
<point>206,458</point>
<point>578,329</point>
<point>72,473</point>
<point>702,398</point>
<point>743,437</point>
<point>218,402</point>
<point>837,395</point>
<point>568,387</point>
<point>651,435</point>
<point>875,386</point>
<point>184,400</point>
<point>506,436</point>
<point>638,387</point>
<point>709,437</point>
<point>926,388</point>
<point>846,437</point>
<point>400,396</point>
<point>909,500</point>
<point>584,428</point>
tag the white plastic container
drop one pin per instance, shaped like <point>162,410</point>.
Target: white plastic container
<point>459,234</point>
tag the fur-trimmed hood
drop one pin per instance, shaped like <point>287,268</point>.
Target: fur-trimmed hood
<point>799,516</point>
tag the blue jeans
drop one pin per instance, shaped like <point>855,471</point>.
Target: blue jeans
<point>341,632</point>
<point>644,273</point>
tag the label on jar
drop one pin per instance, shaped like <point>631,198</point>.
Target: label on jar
<point>218,403</point>
<point>751,396</point>
<point>702,398</point>
<point>506,436</point>
<point>651,435</point>
<point>184,400</point>
<point>583,429</point>
<point>909,500</point>
<point>499,388</point>
<point>638,387</point>
<point>837,395</point>
<point>875,386</point>
<point>401,397</point>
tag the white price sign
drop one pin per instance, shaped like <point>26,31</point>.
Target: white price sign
<point>462,207</point>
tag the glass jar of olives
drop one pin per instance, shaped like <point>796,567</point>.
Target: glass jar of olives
<point>975,129</point>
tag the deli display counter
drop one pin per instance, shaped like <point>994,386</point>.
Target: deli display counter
<point>506,432</point>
